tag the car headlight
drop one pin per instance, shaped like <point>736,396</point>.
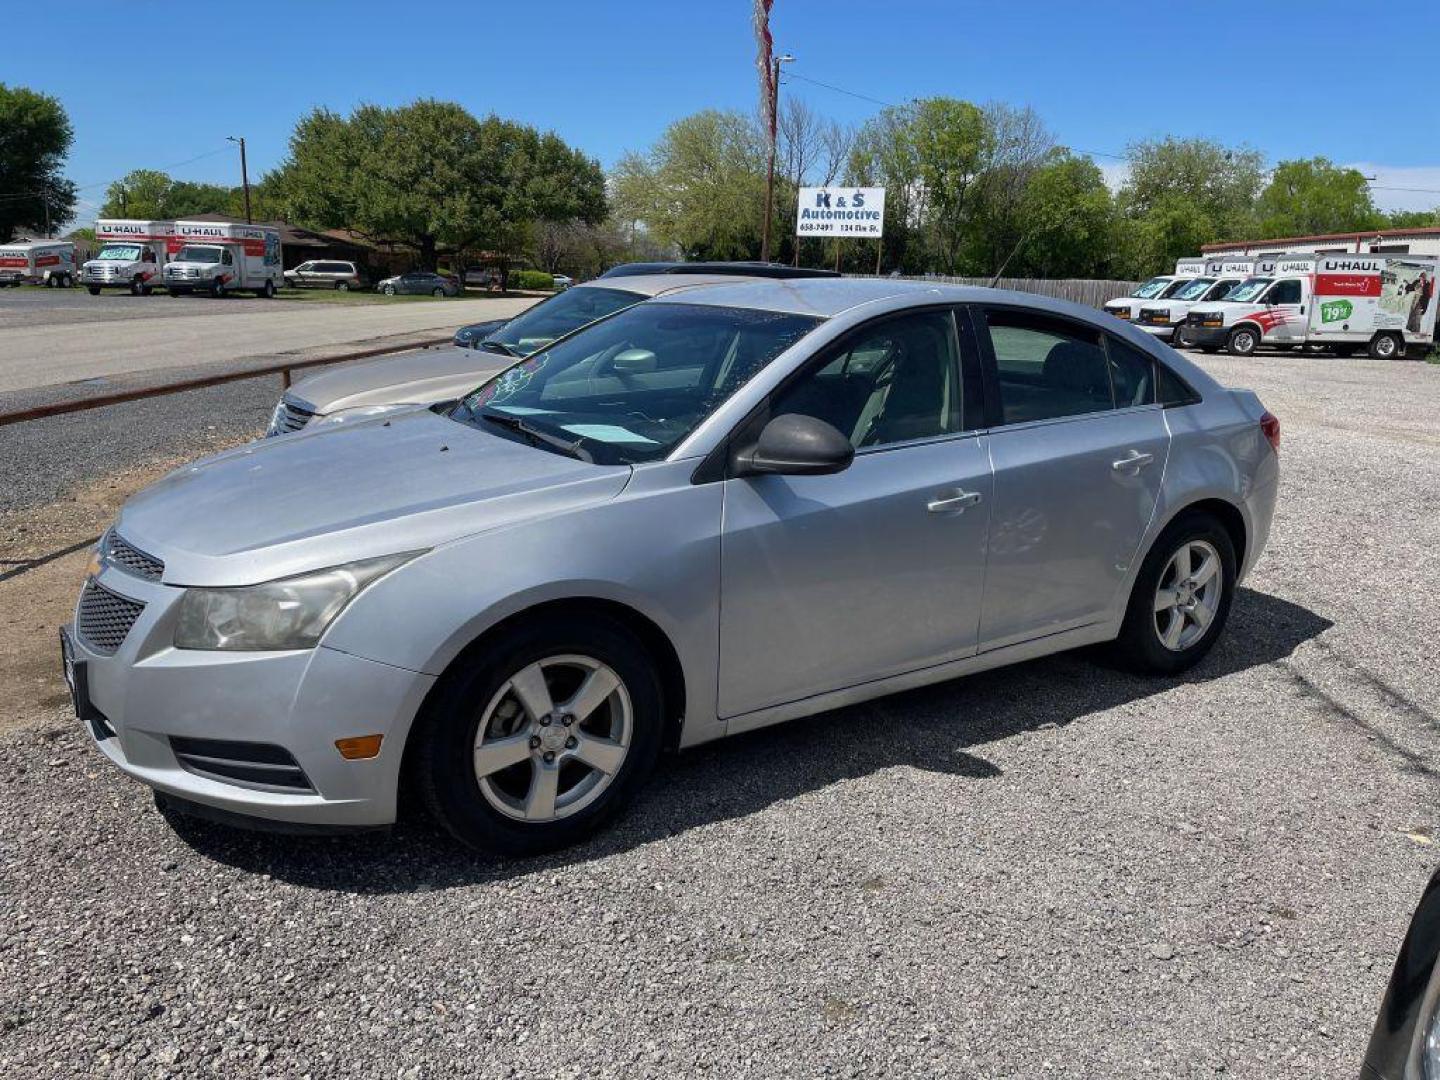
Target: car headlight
<point>464,334</point>
<point>290,613</point>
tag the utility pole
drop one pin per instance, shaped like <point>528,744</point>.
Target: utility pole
<point>783,58</point>
<point>244,176</point>
<point>46,196</point>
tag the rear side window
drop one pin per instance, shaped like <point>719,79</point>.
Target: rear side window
<point>1170,389</point>
<point>1132,373</point>
<point>1047,368</point>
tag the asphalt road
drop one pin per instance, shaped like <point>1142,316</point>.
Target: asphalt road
<point>50,338</point>
<point>1053,870</point>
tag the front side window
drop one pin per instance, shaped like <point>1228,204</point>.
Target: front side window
<point>629,389</point>
<point>1285,292</point>
<point>304,267</point>
<point>229,258</point>
<point>895,381</point>
<point>557,316</point>
<point>1047,368</point>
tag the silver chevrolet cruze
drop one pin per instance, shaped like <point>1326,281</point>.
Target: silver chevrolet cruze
<point>709,512</point>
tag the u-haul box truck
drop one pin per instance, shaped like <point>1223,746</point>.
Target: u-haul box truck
<point>1343,302</point>
<point>1166,318</point>
<point>220,257</point>
<point>1157,288</point>
<point>132,254</point>
<point>38,262</point>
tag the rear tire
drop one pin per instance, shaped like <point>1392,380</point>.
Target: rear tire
<point>437,293</point>
<point>389,290</point>
<point>342,286</point>
<point>1242,341</point>
<point>268,291</point>
<point>486,812</point>
<point>1386,346</point>
<point>1151,639</point>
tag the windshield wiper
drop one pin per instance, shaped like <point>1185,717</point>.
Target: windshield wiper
<point>490,345</point>
<point>536,436</point>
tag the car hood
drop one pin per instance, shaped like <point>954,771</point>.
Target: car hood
<point>422,377</point>
<point>333,495</point>
<point>1226,307</point>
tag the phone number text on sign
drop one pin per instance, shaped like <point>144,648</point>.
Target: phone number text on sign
<point>854,211</point>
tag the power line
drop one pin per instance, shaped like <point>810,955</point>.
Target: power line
<point>104,183</point>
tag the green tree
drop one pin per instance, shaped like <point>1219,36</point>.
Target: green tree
<point>1413,219</point>
<point>429,174</point>
<point>35,137</point>
<point>701,187</point>
<point>1315,196</point>
<point>1070,221</point>
<point>149,193</point>
<point>1181,193</point>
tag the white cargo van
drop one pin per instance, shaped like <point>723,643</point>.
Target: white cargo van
<point>132,254</point>
<point>1157,288</point>
<point>1343,302</point>
<point>38,262</point>
<point>219,257</point>
<point>1166,318</point>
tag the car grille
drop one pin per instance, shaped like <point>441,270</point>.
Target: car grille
<point>249,764</point>
<point>290,415</point>
<point>131,559</point>
<point>105,617</point>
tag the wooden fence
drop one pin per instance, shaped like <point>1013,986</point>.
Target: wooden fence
<point>1079,290</point>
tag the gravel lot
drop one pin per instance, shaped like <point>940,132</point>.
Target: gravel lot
<point>1054,870</point>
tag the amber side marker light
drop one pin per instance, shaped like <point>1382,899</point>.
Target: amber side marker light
<point>360,747</point>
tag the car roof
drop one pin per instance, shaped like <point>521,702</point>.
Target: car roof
<point>739,267</point>
<point>828,297</point>
<point>656,284</point>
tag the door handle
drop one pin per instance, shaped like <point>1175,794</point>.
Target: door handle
<point>1132,462</point>
<point>954,501</point>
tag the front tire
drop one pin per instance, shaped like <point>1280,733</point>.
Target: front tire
<point>217,290</point>
<point>532,744</point>
<point>389,290</point>
<point>268,291</point>
<point>1242,341</point>
<point>1181,597</point>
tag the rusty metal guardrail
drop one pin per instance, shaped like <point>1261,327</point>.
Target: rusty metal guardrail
<point>283,369</point>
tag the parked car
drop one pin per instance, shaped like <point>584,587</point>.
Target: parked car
<point>326,274</point>
<point>1405,1044</point>
<point>562,281</point>
<point>353,391</point>
<point>715,510</point>
<point>418,283</point>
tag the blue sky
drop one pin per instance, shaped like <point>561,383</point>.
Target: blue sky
<point>156,84</point>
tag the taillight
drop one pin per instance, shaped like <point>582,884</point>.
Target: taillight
<point>1270,425</point>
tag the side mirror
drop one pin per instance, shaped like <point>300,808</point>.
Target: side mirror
<point>633,362</point>
<point>794,445</point>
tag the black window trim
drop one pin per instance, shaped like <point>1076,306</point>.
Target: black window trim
<point>717,464</point>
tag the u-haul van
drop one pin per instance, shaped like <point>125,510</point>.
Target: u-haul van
<point>1345,302</point>
<point>1165,318</point>
<point>131,256</point>
<point>1157,288</point>
<point>38,262</point>
<point>220,257</point>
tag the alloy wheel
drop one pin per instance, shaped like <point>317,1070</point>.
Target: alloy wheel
<point>1188,596</point>
<point>553,738</point>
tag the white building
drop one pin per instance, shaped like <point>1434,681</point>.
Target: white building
<point>1424,240</point>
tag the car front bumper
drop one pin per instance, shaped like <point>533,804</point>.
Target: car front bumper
<point>1212,337</point>
<point>147,693</point>
<point>1165,332</point>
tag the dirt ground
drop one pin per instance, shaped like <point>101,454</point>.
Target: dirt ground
<point>37,597</point>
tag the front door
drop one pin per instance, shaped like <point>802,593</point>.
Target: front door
<point>832,581</point>
<point>1079,448</point>
<point>1285,312</point>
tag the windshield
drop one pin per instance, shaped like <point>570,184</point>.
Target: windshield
<point>195,253</point>
<point>1151,288</point>
<point>1222,289</point>
<point>120,252</point>
<point>1195,289</point>
<point>1248,289</point>
<point>557,316</point>
<point>630,388</point>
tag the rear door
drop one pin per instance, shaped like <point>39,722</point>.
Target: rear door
<point>1078,447</point>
